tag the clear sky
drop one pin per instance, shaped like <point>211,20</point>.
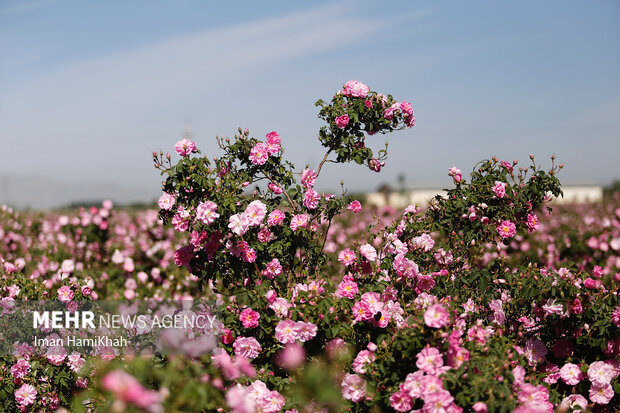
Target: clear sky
<point>88,89</point>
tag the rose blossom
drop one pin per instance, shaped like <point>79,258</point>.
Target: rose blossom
<point>499,189</point>
<point>601,394</point>
<point>20,369</point>
<point>249,318</point>
<point>65,294</point>
<point>275,188</point>
<point>126,388</point>
<point>506,165</point>
<point>238,223</point>
<point>506,229</point>
<point>368,252</point>
<point>275,217</point>
<point>259,154</point>
<point>571,374</point>
<point>185,147</point>
<point>375,165</point>
<point>273,142</point>
<point>286,332</point>
<point>347,257</point>
<point>247,347</point>
<point>480,407</point>
<point>455,173</point>
<point>271,402</point>
<point>361,311</point>
<point>342,121</point>
<point>532,222</point>
<point>353,88</point>
<point>600,373</point>
<point>255,212</point>
<point>299,221</point>
<point>355,207</point>
<point>573,401</point>
<point>362,360</point>
<point>436,316</point>
<point>308,177</point>
<point>311,199</point>
<point>389,112</point>
<point>274,268</point>
<point>400,401</point>
<point>206,212</point>
<point>429,360</point>
<point>25,395</point>
<point>347,288</point>
<point>353,387</point>
<point>292,356</point>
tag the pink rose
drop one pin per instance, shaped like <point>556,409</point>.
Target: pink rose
<point>591,283</point>
<point>308,176</point>
<point>455,173</point>
<point>342,121</point>
<point>25,395</point>
<point>353,388</point>
<point>369,252</point>
<point>259,154</point>
<point>65,294</point>
<point>353,88</point>
<point>532,222</point>
<point>436,316</point>
<point>499,189</point>
<point>355,207</point>
<point>249,318</point>
<point>506,229</point>
<point>292,356</point>
<point>185,147</point>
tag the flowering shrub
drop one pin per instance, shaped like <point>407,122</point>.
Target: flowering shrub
<point>481,302</point>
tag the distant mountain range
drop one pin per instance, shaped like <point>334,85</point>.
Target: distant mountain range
<point>32,192</point>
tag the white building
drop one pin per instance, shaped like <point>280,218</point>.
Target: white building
<point>422,197</point>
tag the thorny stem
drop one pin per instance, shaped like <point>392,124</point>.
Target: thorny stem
<point>323,161</point>
<point>325,237</point>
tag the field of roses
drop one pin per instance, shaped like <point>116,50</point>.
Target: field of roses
<point>489,299</point>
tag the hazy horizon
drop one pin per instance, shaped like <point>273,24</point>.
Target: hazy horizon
<point>89,90</point>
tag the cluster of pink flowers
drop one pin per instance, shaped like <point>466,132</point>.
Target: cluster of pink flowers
<point>427,387</point>
<point>288,331</point>
<point>356,89</point>
<point>261,151</point>
<point>273,269</point>
<point>456,174</point>
<point>406,109</point>
<point>253,215</point>
<point>253,398</point>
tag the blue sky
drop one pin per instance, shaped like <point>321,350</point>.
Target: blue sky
<point>88,89</point>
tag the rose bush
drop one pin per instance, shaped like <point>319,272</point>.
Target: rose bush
<point>480,302</point>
